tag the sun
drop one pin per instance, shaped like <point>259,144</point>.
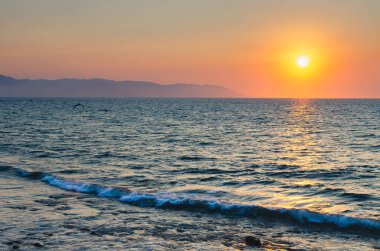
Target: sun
<point>303,61</point>
<point>299,66</point>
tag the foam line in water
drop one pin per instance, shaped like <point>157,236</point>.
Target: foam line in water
<point>191,202</point>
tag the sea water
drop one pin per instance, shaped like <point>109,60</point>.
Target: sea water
<point>185,174</point>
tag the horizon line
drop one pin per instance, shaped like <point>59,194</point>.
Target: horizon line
<point>106,97</point>
<point>165,84</point>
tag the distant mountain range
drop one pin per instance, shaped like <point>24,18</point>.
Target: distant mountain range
<point>11,87</point>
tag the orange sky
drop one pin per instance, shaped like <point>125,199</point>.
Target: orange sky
<point>248,46</point>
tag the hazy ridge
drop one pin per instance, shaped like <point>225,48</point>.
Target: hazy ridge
<point>11,87</point>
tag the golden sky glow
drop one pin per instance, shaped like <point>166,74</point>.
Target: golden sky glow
<point>252,47</point>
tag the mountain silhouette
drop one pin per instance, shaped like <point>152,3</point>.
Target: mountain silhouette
<point>11,87</point>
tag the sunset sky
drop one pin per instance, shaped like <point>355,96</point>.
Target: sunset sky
<point>262,48</point>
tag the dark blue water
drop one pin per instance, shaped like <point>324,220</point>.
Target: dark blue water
<point>298,173</point>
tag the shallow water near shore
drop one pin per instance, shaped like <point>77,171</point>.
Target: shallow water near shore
<point>187,174</point>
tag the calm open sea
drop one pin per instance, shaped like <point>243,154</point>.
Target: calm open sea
<point>186,174</point>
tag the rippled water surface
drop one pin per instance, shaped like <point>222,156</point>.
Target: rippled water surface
<point>188,174</point>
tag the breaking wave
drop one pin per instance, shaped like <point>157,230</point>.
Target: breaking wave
<point>191,202</point>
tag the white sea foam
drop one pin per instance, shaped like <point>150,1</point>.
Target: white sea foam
<point>193,203</point>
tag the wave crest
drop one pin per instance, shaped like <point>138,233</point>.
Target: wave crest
<point>192,202</point>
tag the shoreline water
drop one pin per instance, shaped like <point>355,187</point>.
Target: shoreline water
<point>178,201</point>
<point>97,223</point>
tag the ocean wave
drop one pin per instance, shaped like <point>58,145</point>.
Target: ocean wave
<point>357,196</point>
<point>196,158</point>
<point>196,170</point>
<point>190,202</point>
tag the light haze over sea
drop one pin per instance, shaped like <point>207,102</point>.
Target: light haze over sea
<point>160,174</point>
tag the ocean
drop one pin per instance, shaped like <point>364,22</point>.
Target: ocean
<point>189,174</point>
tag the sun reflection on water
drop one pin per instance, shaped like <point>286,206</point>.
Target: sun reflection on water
<point>301,142</point>
<point>302,150</point>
